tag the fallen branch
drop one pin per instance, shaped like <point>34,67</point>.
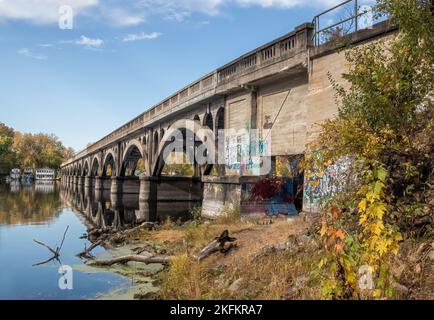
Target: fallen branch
<point>144,225</point>
<point>90,249</point>
<point>133,258</point>
<point>104,234</point>
<point>55,252</point>
<point>218,245</point>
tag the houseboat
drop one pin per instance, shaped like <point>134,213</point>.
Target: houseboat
<point>27,175</point>
<point>45,174</point>
<point>15,174</point>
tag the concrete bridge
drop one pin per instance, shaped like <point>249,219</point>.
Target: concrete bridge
<point>282,87</point>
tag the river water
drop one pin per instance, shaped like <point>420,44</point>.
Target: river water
<point>43,211</point>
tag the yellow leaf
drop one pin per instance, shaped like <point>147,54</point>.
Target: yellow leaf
<point>363,219</point>
<point>362,205</point>
<point>323,230</point>
<point>378,210</point>
<point>377,293</point>
<point>377,228</point>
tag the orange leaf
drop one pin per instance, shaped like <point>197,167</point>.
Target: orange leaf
<point>340,234</point>
<point>336,212</point>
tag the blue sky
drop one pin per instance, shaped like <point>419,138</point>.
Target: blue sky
<point>122,56</point>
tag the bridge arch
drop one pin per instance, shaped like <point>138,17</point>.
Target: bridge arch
<point>208,121</point>
<point>134,152</point>
<point>95,169</point>
<point>109,162</point>
<point>183,125</point>
<point>220,119</point>
<point>86,170</point>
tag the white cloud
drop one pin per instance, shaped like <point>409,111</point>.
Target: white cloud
<point>122,17</point>
<point>45,45</point>
<point>40,11</point>
<point>214,7</point>
<point>27,53</point>
<point>141,36</point>
<point>135,12</point>
<point>89,42</point>
<point>285,3</point>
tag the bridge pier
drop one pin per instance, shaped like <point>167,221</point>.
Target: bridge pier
<point>103,183</point>
<point>98,183</point>
<point>130,185</point>
<point>88,182</point>
<point>116,185</point>
<point>148,198</point>
<point>80,181</point>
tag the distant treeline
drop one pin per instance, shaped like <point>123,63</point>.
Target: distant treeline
<point>26,150</point>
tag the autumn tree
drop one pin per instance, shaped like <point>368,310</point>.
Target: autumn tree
<point>30,150</point>
<point>8,157</point>
<point>385,126</point>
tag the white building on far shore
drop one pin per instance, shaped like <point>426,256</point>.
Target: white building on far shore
<point>45,174</point>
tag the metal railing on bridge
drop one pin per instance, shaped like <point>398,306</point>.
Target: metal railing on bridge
<point>345,18</point>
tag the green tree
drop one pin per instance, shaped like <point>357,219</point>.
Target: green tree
<point>8,158</point>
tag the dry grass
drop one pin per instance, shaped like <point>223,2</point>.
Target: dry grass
<point>236,275</point>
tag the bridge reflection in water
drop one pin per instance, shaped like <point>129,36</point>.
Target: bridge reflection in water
<point>103,209</point>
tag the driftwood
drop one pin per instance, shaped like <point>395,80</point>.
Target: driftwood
<point>110,232</point>
<point>217,245</point>
<point>90,249</point>
<point>55,252</point>
<point>133,258</point>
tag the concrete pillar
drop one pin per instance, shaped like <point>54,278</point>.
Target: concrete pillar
<point>80,181</point>
<point>98,195</point>
<point>131,185</point>
<point>148,198</point>
<point>116,185</point>
<point>88,182</point>
<point>142,215</point>
<point>87,194</point>
<point>98,183</point>
<point>148,188</point>
<point>75,180</point>
<point>115,201</point>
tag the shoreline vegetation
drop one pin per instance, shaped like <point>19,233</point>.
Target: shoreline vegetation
<point>273,259</point>
<point>27,150</point>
